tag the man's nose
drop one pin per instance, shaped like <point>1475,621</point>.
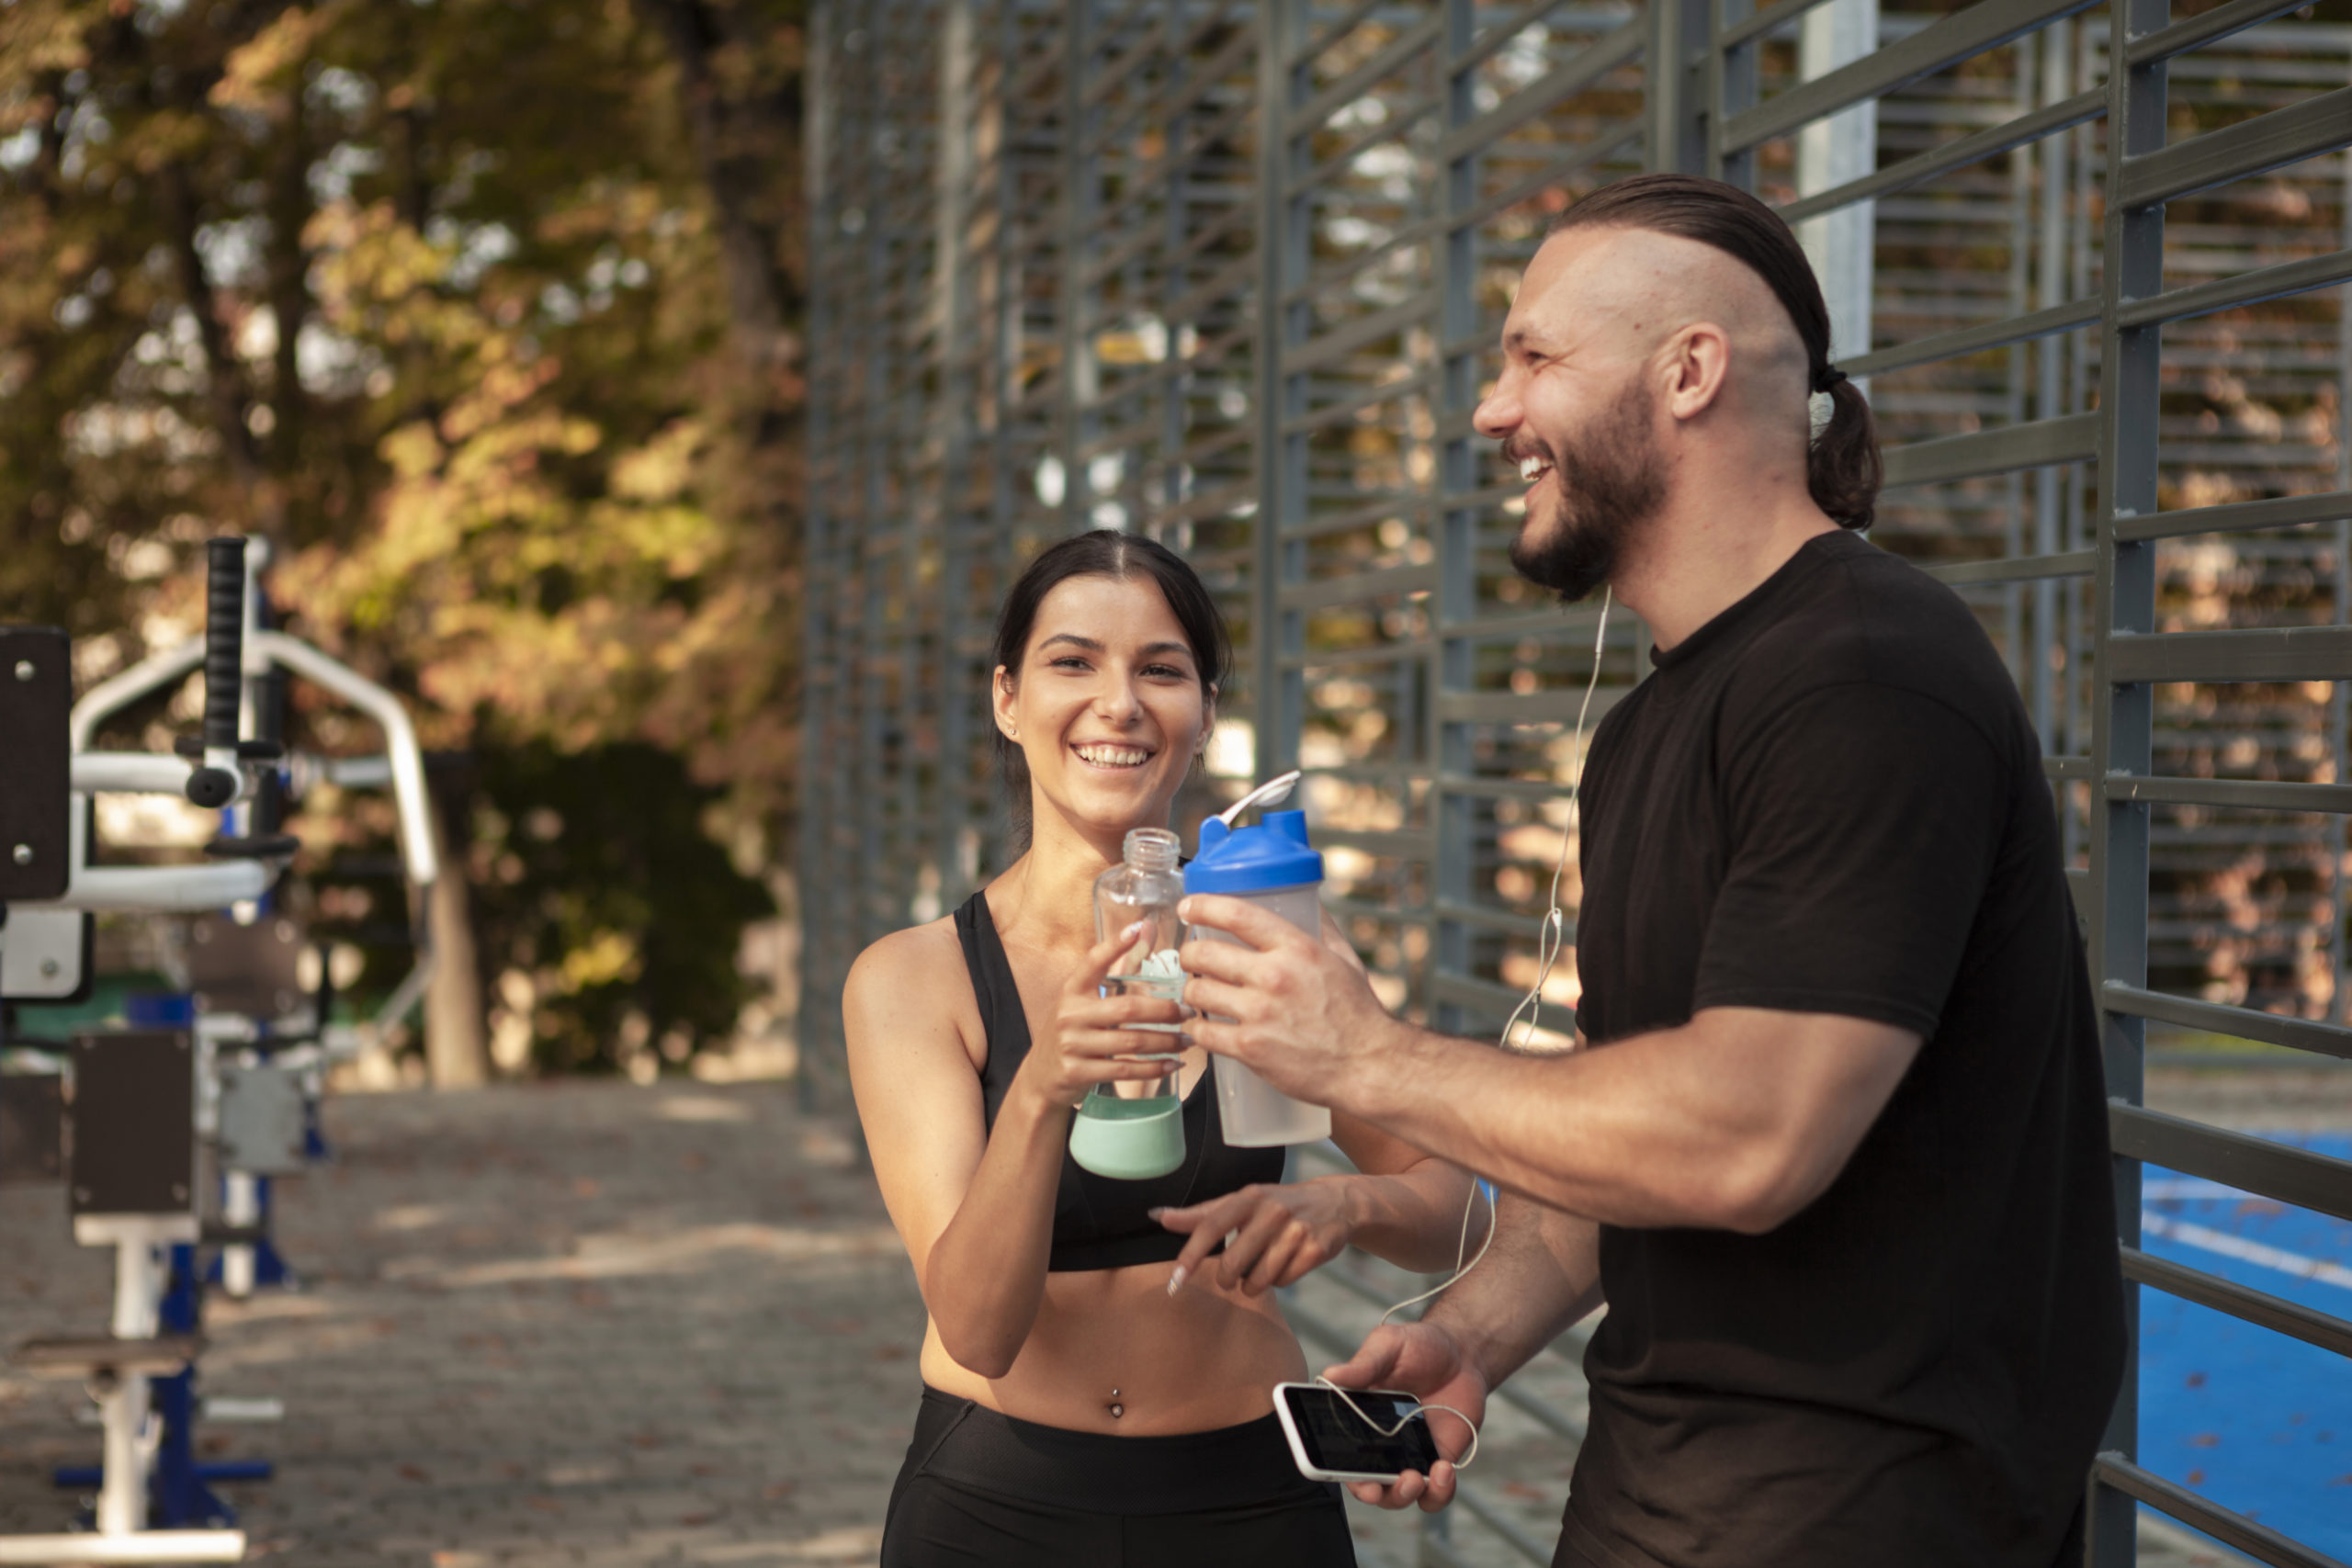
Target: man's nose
<point>1497,413</point>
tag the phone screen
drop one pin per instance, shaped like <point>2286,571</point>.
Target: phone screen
<point>1336,1437</point>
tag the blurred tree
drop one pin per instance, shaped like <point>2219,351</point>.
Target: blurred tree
<point>479,312</point>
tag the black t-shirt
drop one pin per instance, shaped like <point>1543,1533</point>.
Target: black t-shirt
<point>1829,800</point>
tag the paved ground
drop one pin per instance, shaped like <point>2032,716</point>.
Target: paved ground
<point>577,1324</point>
<point>591,1324</point>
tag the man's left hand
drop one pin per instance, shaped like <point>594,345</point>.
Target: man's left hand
<point>1301,1016</point>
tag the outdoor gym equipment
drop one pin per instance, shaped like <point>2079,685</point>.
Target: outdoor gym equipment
<point>237,1080</point>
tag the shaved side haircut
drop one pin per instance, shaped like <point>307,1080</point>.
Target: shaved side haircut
<point>1842,468</point>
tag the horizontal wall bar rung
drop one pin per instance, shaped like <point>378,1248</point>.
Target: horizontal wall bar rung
<point>1356,588</point>
<point>1975,340</point>
<point>2296,276</point>
<point>1486,995</point>
<point>1961,36</point>
<point>1776,15</point>
<point>1557,705</point>
<point>2284,512</point>
<point>2219,1017</point>
<point>1392,59</point>
<point>2065,767</point>
<point>2071,439</point>
<point>1474,1502</point>
<point>2250,147</point>
<point>1342,341</point>
<point>2219,22</point>
<point>2257,1166</point>
<point>2255,795</point>
<point>1507,922</point>
<point>1971,149</point>
<point>2274,653</point>
<point>2016,568</point>
<point>2252,1306</point>
<point>2232,1530</point>
<point>1564,80</point>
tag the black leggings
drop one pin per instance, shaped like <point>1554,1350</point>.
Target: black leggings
<point>980,1489</point>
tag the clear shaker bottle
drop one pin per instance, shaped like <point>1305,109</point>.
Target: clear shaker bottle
<point>1271,865</point>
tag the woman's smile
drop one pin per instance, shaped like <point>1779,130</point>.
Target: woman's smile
<point>1112,756</point>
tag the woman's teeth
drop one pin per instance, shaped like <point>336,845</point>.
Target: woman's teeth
<point>1533,469</point>
<point>1113,756</point>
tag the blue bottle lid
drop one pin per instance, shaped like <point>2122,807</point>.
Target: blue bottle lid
<point>1250,860</point>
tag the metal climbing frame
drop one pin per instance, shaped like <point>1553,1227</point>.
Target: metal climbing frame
<point>1231,275</point>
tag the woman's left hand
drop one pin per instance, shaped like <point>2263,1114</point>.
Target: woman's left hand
<point>1280,1233</point>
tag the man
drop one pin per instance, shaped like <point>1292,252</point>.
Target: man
<point>1836,1157</point>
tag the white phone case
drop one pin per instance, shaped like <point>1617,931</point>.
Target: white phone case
<point>1298,1448</point>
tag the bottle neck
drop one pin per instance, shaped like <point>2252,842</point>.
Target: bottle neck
<point>1152,849</point>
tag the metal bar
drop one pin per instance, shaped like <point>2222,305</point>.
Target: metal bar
<point>2270,1170</point>
<point>135,1546</point>
<point>1961,36</point>
<point>1571,76</point>
<point>1323,592</point>
<point>1557,705</point>
<point>1770,20</point>
<point>2253,1306</point>
<point>2002,334</point>
<point>1531,1550</point>
<point>2246,288</point>
<point>2242,1023</point>
<point>2250,147</point>
<point>2288,512</point>
<point>1350,87</point>
<point>2259,794</point>
<point>2016,568</point>
<point>2232,1530</point>
<point>1342,342</point>
<point>2271,653</point>
<point>2219,22</point>
<point>2070,439</point>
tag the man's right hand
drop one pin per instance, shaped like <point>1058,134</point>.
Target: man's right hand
<point>1424,1361</point>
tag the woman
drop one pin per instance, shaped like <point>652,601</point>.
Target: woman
<point>1098,1386</point>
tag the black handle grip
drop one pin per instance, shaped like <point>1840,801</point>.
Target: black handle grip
<point>224,637</point>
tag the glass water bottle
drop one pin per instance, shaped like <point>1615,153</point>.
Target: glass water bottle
<point>1134,1129</point>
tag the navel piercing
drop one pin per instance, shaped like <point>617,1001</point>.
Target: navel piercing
<point>1117,1409</point>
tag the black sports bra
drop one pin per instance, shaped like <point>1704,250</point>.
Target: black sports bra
<point>1100,1223</point>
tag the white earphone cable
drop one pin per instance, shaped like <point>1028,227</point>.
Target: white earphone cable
<point>1550,940</point>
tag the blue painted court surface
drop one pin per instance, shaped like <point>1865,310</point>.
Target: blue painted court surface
<point>2252,1420</point>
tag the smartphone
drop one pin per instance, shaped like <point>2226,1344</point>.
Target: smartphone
<point>1331,1442</point>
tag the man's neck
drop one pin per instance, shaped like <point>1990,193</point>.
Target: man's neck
<point>1708,547</point>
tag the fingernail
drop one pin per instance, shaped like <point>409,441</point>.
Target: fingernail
<point>1132,929</point>
<point>1155,1213</point>
<point>1176,1280</point>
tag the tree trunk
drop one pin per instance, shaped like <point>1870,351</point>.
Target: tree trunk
<point>456,1050</point>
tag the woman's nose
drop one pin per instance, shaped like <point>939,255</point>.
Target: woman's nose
<point>1117,699</point>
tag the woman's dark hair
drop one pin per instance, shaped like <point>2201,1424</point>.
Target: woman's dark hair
<point>1105,552</point>
<point>1842,470</point>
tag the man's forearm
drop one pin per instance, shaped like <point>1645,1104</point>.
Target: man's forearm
<point>1541,1275</point>
<point>1643,1133</point>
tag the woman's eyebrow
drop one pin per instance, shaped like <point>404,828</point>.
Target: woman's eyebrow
<point>1089,644</point>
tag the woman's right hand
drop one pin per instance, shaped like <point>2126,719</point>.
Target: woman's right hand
<point>1090,1032</point>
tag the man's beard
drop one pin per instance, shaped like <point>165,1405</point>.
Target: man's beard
<point>1607,483</point>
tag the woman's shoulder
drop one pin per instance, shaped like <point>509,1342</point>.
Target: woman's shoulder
<point>911,978</point>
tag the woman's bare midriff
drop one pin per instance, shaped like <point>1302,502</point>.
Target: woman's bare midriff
<point>1112,1351</point>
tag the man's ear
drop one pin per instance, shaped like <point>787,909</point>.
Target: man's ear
<point>1698,364</point>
